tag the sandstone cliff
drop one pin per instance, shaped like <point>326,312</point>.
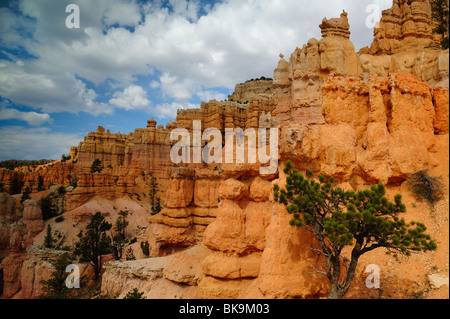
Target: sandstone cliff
<point>365,117</point>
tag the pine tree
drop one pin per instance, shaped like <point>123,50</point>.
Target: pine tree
<point>134,294</point>
<point>25,195</point>
<point>16,186</point>
<point>96,166</point>
<point>40,183</point>
<point>440,11</point>
<point>121,224</point>
<point>95,243</point>
<point>49,240</point>
<point>154,199</point>
<point>364,220</point>
<point>55,287</point>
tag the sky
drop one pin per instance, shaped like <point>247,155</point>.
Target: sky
<point>122,62</point>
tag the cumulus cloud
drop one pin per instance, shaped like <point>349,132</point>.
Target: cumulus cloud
<point>35,143</point>
<point>208,95</point>
<point>169,110</point>
<point>194,47</point>
<point>51,93</point>
<point>133,97</point>
<point>123,13</point>
<point>32,118</point>
<point>175,88</point>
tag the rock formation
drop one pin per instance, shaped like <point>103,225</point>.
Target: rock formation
<point>368,117</point>
<point>407,24</point>
<point>245,92</point>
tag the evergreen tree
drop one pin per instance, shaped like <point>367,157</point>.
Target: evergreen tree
<point>145,247</point>
<point>96,166</point>
<point>95,243</point>
<point>25,195</point>
<point>117,247</point>
<point>40,183</point>
<point>134,294</point>
<point>154,198</point>
<point>121,224</point>
<point>49,240</point>
<point>55,287</point>
<point>16,186</point>
<point>364,220</point>
<point>440,16</point>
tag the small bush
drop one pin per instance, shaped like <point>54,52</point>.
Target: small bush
<point>59,219</point>
<point>134,294</point>
<point>96,166</point>
<point>129,254</point>
<point>145,248</point>
<point>426,187</point>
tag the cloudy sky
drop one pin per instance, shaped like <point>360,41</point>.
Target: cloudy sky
<point>130,60</point>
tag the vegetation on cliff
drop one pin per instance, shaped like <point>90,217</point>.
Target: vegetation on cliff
<point>92,246</point>
<point>440,16</point>
<point>12,164</point>
<point>364,220</point>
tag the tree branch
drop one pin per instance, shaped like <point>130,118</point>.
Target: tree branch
<point>317,271</point>
<point>319,251</point>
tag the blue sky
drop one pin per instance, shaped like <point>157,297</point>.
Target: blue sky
<point>132,60</point>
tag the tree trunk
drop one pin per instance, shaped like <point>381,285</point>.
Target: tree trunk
<point>336,292</point>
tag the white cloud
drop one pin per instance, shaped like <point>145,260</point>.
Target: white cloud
<point>169,110</point>
<point>211,95</point>
<point>35,143</point>
<point>154,84</point>
<point>124,13</point>
<point>13,28</point>
<point>178,89</point>
<point>32,118</point>
<point>47,92</point>
<point>184,8</point>
<point>133,97</point>
<point>235,41</point>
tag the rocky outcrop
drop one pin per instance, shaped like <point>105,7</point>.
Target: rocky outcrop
<point>407,24</point>
<point>245,92</point>
<point>36,268</point>
<point>172,277</point>
<point>298,83</point>
<point>368,117</point>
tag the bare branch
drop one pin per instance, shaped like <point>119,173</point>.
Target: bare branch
<point>319,251</point>
<point>317,271</point>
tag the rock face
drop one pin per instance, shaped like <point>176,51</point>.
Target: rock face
<point>368,117</point>
<point>406,24</point>
<point>245,92</point>
<point>174,276</point>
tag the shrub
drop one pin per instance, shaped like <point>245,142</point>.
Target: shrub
<point>96,166</point>
<point>129,254</point>
<point>59,219</point>
<point>145,248</point>
<point>426,187</point>
<point>134,294</point>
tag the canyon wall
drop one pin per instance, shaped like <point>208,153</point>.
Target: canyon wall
<point>364,117</point>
